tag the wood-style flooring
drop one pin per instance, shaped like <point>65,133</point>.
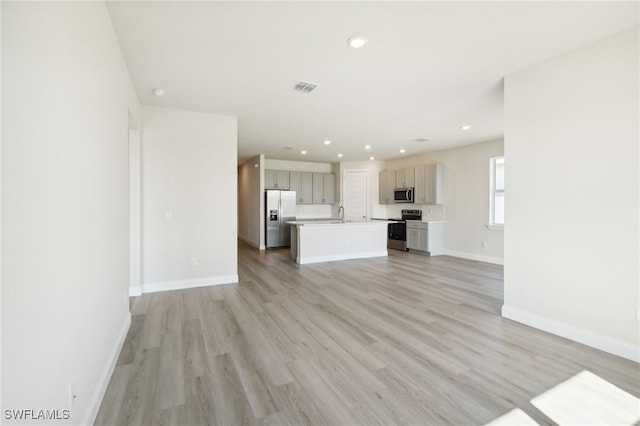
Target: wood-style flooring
<point>407,339</point>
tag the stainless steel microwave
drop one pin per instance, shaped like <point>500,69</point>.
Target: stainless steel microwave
<point>403,195</point>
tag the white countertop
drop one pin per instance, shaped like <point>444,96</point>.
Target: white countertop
<point>335,222</point>
<point>338,221</point>
<point>316,219</point>
<point>423,220</point>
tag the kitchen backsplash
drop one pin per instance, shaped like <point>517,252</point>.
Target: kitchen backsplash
<point>429,211</point>
<point>313,211</point>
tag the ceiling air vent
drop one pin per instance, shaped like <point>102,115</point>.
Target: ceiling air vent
<point>304,87</point>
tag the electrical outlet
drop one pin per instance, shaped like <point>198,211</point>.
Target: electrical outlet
<point>168,214</point>
<point>194,261</point>
<point>485,244</point>
<point>72,395</point>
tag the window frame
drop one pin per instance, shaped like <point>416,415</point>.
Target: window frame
<point>492,194</point>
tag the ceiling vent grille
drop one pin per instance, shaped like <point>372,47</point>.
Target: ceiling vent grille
<point>304,87</point>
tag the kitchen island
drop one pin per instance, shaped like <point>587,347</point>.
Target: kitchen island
<point>315,242</point>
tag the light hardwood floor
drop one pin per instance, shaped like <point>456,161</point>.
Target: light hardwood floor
<point>407,339</point>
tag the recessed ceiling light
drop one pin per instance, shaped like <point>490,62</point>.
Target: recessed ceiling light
<point>402,151</point>
<point>466,127</point>
<point>158,92</point>
<point>367,147</point>
<point>372,158</point>
<point>357,41</point>
<point>303,152</point>
<point>339,155</point>
<point>327,142</point>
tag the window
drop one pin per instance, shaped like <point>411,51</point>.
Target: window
<point>496,213</point>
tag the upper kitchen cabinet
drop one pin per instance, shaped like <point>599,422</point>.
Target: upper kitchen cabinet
<point>420,193</point>
<point>387,185</point>
<point>405,178</point>
<point>302,183</point>
<point>429,184</point>
<point>276,179</point>
<point>324,188</point>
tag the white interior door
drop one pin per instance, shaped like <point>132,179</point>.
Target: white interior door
<point>354,195</point>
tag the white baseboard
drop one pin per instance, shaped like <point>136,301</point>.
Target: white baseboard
<point>473,256</point>
<point>96,399</point>
<point>182,284</point>
<point>334,257</point>
<point>580,335</point>
<point>251,243</point>
<point>135,291</point>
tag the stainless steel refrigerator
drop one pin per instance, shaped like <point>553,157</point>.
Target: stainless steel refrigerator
<point>280,208</point>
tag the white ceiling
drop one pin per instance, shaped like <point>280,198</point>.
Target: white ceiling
<point>429,67</point>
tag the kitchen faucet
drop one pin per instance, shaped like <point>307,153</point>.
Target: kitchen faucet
<point>341,208</point>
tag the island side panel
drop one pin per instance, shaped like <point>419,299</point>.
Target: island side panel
<point>330,242</point>
<point>294,241</point>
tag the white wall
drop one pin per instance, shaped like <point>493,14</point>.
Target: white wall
<point>297,166</point>
<point>467,197</point>
<point>571,145</point>
<point>262,203</point>
<point>189,203</point>
<point>249,200</point>
<point>65,217</point>
<point>1,274</point>
<point>135,210</point>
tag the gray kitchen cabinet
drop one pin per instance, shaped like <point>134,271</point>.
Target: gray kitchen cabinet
<point>329,188</point>
<point>276,179</point>
<point>387,185</point>
<point>302,183</point>
<point>324,188</point>
<point>427,237</point>
<point>412,239</point>
<point>420,193</point>
<point>418,236</point>
<point>405,178</point>
<point>429,184</point>
<point>435,184</point>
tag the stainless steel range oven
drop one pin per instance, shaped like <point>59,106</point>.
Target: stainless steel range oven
<point>397,232</point>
